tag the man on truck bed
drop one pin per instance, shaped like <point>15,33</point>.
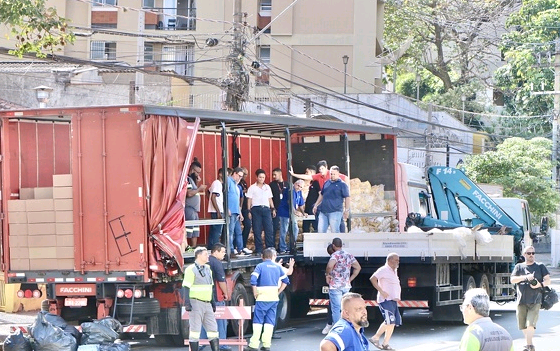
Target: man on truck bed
<point>192,202</point>
<point>198,282</point>
<point>334,202</point>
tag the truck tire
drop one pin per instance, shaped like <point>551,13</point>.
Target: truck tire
<point>143,307</point>
<point>239,292</point>
<point>300,305</point>
<point>468,282</point>
<point>483,282</point>
<point>284,309</point>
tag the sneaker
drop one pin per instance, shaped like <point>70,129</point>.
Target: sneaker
<point>247,251</point>
<point>189,249</point>
<point>249,348</point>
<point>265,348</point>
<point>241,253</point>
<point>235,252</point>
<point>233,255</point>
<point>326,329</point>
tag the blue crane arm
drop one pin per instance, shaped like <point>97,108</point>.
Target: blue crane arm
<point>449,185</point>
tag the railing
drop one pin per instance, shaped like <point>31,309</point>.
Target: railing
<point>171,18</point>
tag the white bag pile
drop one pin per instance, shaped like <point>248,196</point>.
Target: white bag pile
<point>367,198</point>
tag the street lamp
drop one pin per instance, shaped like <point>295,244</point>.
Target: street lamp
<point>463,99</point>
<point>43,93</point>
<point>345,61</point>
<point>418,80</point>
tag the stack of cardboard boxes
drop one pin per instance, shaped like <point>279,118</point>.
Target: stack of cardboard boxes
<point>41,232</point>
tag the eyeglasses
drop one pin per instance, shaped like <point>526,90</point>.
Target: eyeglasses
<point>240,174</point>
<point>463,307</point>
<point>529,253</point>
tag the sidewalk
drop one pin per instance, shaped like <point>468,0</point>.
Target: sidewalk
<point>20,318</point>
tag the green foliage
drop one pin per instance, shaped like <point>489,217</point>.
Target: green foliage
<point>36,28</point>
<point>523,168</point>
<point>529,50</point>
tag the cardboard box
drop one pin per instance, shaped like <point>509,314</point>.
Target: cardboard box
<point>35,229</point>
<point>62,192</point>
<point>62,180</point>
<point>63,204</point>
<point>43,193</point>
<point>41,217</point>
<point>64,228</point>
<point>42,252</point>
<point>43,264</point>
<point>44,241</point>
<point>18,241</point>
<point>66,263</point>
<point>16,206</point>
<point>26,193</point>
<point>18,229</point>
<point>17,217</point>
<point>37,205</point>
<point>19,264</point>
<point>19,252</point>
<point>65,252</point>
<point>65,240</point>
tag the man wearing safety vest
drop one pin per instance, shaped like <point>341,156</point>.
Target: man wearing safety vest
<point>268,280</point>
<point>198,284</point>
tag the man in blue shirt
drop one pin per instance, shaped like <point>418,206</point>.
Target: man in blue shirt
<point>334,200</point>
<point>348,333</point>
<point>234,210</point>
<point>284,214</point>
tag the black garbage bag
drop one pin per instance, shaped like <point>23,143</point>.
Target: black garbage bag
<point>97,333</point>
<point>115,347</point>
<point>48,337</point>
<point>112,323</point>
<point>58,321</point>
<point>17,342</point>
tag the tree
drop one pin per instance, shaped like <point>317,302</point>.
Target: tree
<point>528,50</point>
<point>523,168</point>
<point>37,29</point>
<point>453,40</point>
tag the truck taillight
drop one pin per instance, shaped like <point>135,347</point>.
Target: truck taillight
<point>412,282</point>
<point>37,293</point>
<point>128,293</point>
<point>137,294</point>
<point>120,293</point>
<point>21,294</point>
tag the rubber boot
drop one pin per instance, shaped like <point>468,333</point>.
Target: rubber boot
<point>193,345</point>
<point>215,344</point>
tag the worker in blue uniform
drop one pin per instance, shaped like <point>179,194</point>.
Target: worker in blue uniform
<point>268,280</point>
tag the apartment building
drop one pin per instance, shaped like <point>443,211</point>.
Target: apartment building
<point>309,43</point>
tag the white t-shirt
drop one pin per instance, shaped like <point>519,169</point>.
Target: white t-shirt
<point>259,196</point>
<point>216,188</point>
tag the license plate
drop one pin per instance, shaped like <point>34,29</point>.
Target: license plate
<point>325,289</point>
<point>75,302</point>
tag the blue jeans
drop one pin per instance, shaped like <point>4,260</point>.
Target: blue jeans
<point>331,219</point>
<point>284,223</point>
<point>222,325</point>
<point>235,239</point>
<point>215,231</point>
<point>262,219</point>
<point>335,299</point>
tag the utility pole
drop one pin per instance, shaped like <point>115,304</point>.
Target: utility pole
<point>139,79</point>
<point>556,113</point>
<point>429,139</point>
<point>237,84</point>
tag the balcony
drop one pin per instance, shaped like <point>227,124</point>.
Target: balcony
<point>171,18</point>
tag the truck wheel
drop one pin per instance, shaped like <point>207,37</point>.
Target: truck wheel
<point>239,292</point>
<point>143,307</point>
<point>283,310</point>
<point>300,305</point>
<point>483,282</point>
<point>468,282</point>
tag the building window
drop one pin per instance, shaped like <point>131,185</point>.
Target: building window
<point>104,2</point>
<point>265,8</point>
<point>178,58</point>
<point>148,4</point>
<point>103,50</point>
<point>264,55</point>
<point>148,52</point>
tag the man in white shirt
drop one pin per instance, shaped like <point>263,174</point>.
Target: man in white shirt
<point>216,208</point>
